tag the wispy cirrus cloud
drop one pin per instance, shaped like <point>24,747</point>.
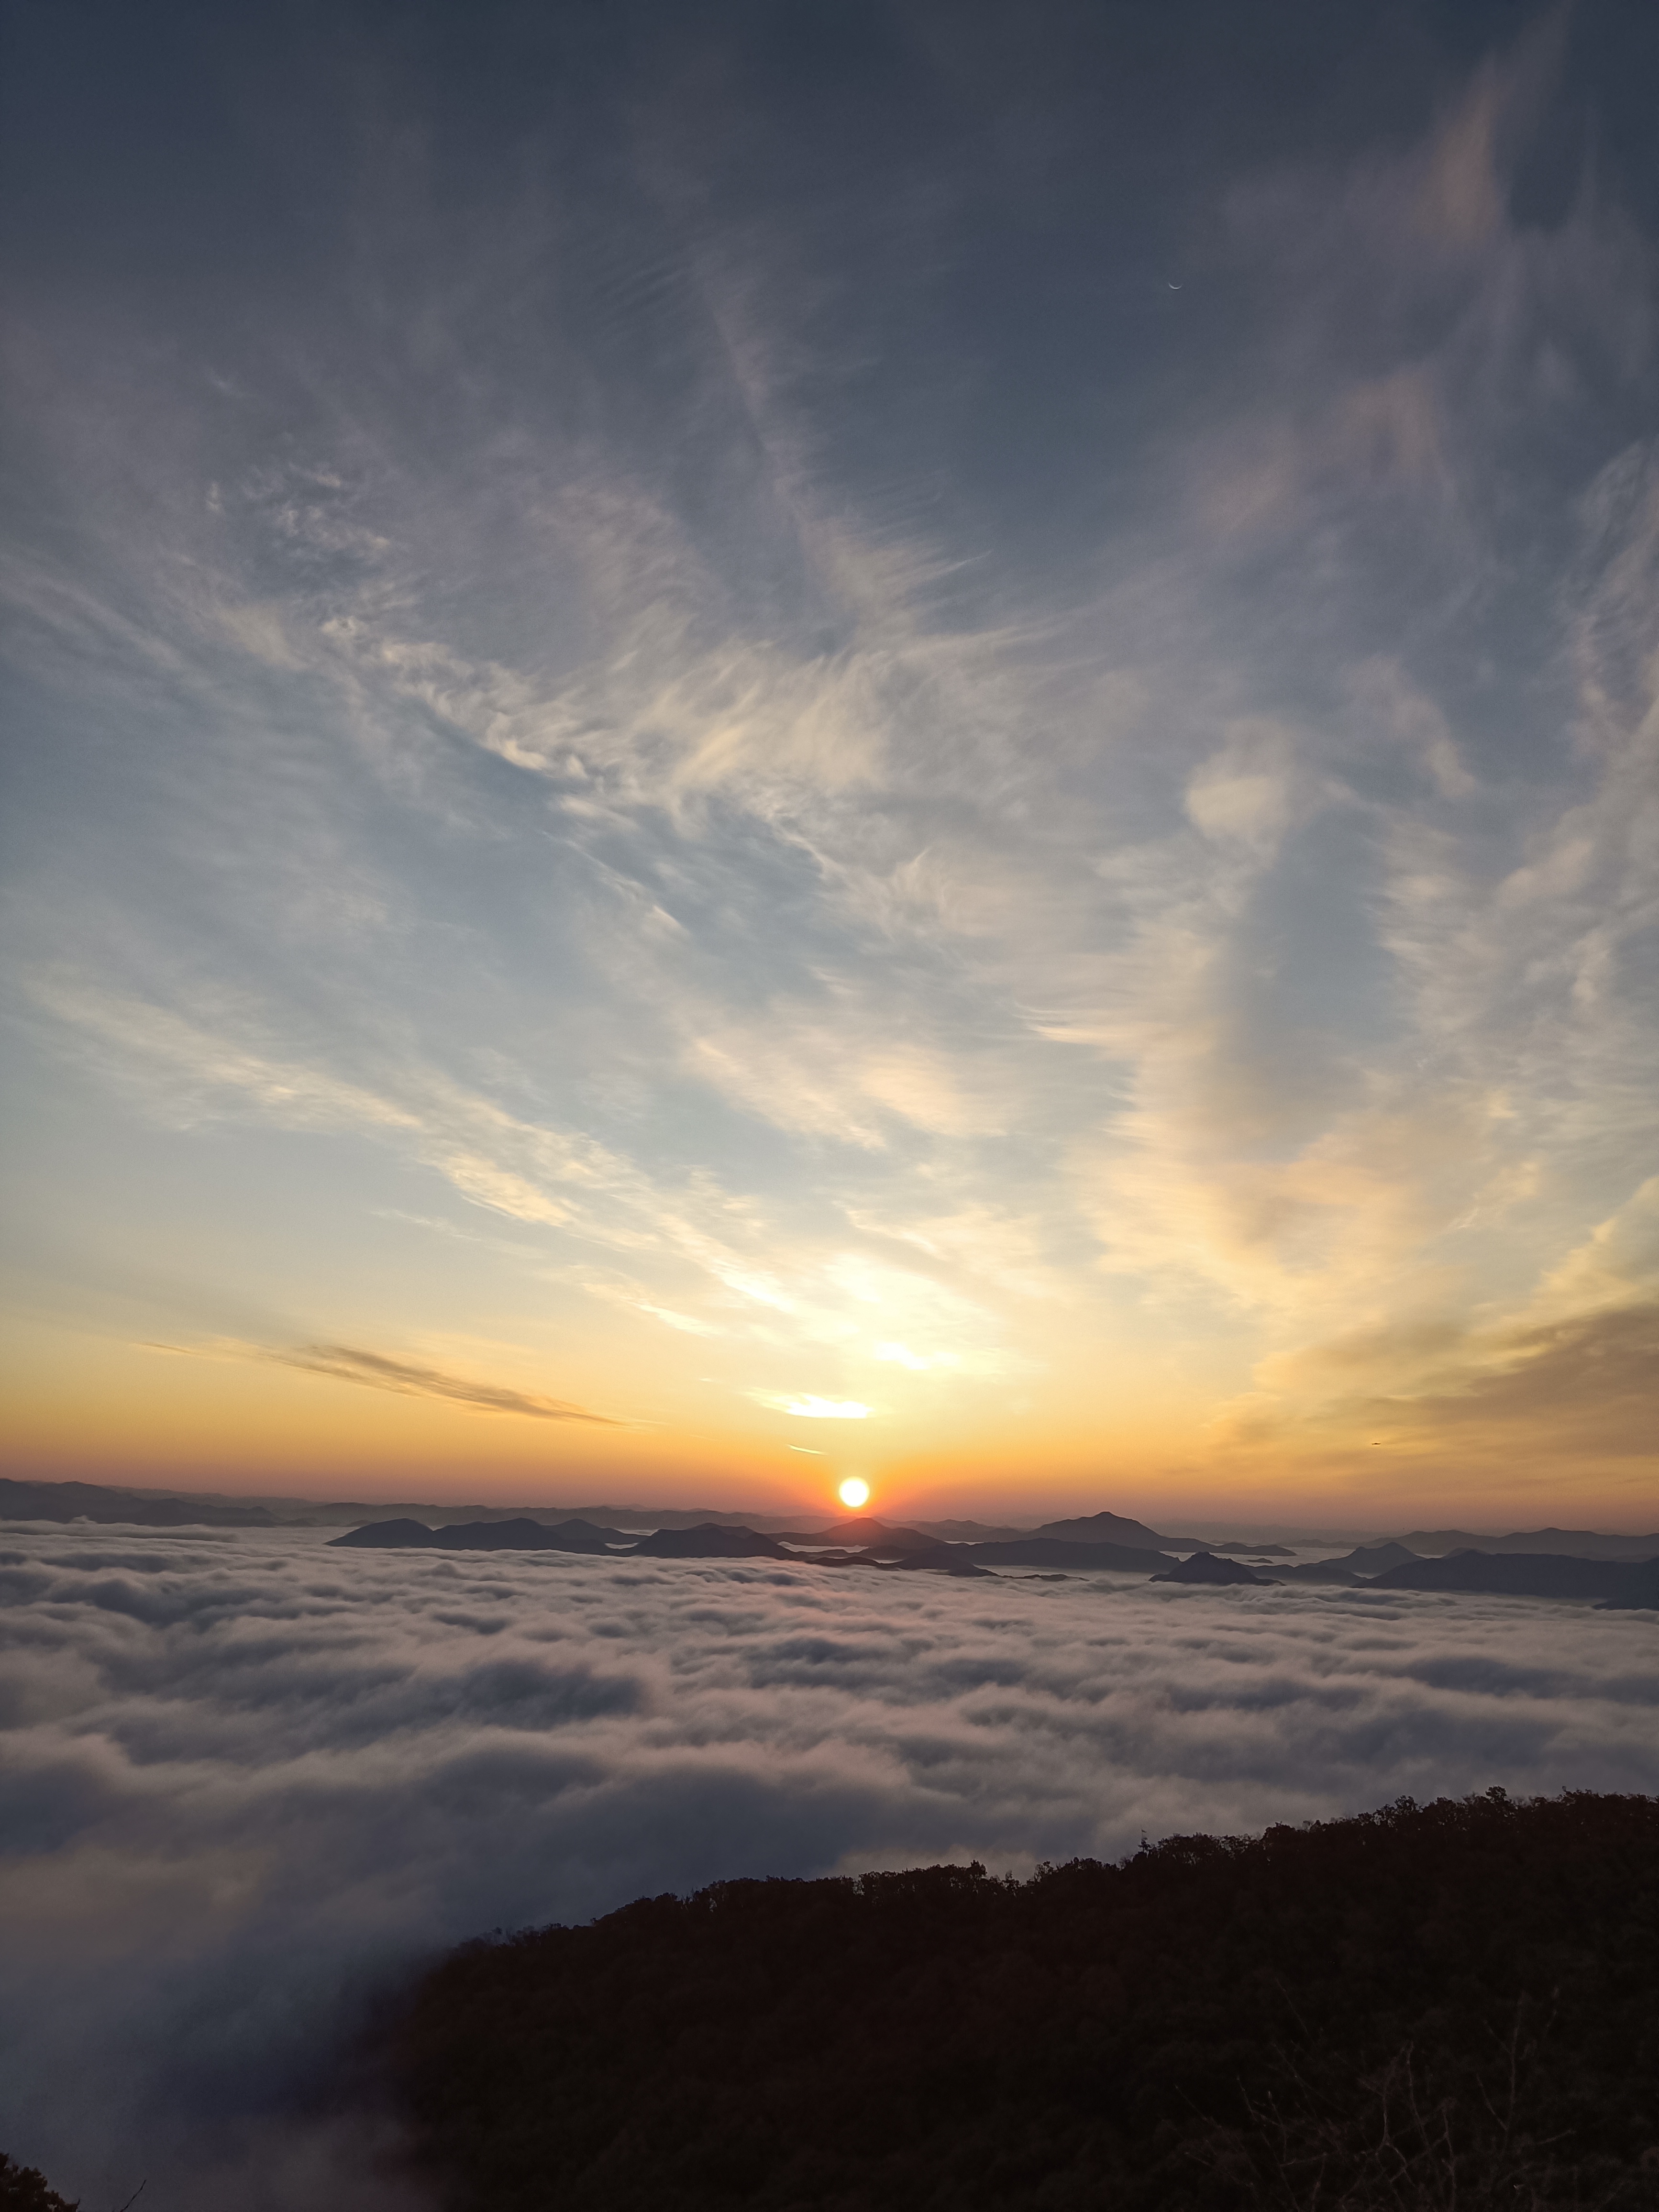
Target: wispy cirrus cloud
<point>807,1407</point>
<point>731,809</point>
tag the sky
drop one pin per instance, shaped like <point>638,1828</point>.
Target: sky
<point>251,1783</point>
<point>752,744</point>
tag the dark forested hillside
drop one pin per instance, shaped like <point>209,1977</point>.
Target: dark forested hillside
<point>1428,2006</point>
<point>25,2189</point>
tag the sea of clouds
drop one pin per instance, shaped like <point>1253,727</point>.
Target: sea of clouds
<point>250,1780</point>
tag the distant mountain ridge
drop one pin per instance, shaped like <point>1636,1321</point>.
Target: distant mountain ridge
<point>1564,1543</point>
<point>868,1542</point>
<point>93,1501</point>
<point>1204,1568</point>
<point>865,1542</point>
<point>1102,1541</point>
<point>1114,1528</point>
<point>135,1505</point>
<point>1365,1560</point>
<point>521,1535</point>
<point>1058,1552</point>
<point>864,1529</point>
<point>1626,1583</point>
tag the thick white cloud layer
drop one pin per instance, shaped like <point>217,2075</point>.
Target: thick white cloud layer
<point>249,1779</point>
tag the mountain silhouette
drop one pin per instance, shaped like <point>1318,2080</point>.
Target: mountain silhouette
<point>708,1542</point>
<point>943,1559</point>
<point>868,1543</point>
<point>1367,1560</point>
<point>1564,1543</point>
<point>1205,1567</point>
<point>94,1501</point>
<point>873,1535</point>
<point>1639,1594</point>
<point>399,1536</point>
<point>865,1542</point>
<point>1520,1574</point>
<point>521,1535</point>
<point>1114,1528</point>
<point>1058,1551</point>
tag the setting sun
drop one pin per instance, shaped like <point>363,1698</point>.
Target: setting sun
<point>853,1493</point>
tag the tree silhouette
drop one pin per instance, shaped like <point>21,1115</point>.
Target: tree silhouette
<point>1424,2009</point>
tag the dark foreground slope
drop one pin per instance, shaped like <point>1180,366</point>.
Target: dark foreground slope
<point>1457,2003</point>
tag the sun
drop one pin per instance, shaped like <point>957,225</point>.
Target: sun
<point>854,1492</point>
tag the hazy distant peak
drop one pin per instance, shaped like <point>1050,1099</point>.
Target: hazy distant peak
<point>1205,1568</point>
<point>1563,1543</point>
<point>1113,1529</point>
<point>867,1530</point>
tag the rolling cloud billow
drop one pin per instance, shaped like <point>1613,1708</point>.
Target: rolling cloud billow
<point>251,1778</point>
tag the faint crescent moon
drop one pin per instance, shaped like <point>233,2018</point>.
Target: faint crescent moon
<point>1174,287</point>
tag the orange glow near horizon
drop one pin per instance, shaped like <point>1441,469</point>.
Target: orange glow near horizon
<point>449,1420</point>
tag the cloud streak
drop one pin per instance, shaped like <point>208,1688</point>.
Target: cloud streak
<point>345,1364</point>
